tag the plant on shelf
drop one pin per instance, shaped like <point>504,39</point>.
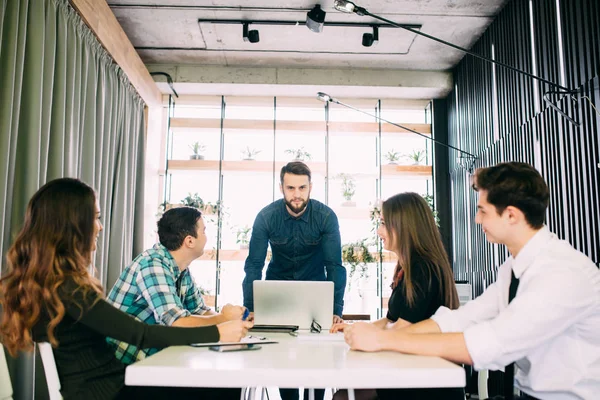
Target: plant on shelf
<point>348,189</point>
<point>249,153</point>
<point>162,207</point>
<point>429,199</point>
<point>215,212</point>
<point>299,154</point>
<point>416,156</point>
<point>357,256</point>
<point>375,216</point>
<point>392,156</point>
<point>243,236</point>
<point>193,200</point>
<point>197,149</point>
<point>212,208</point>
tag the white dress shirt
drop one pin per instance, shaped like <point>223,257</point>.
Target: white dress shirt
<point>551,329</point>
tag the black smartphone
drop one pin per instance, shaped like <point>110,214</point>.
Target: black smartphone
<point>235,347</point>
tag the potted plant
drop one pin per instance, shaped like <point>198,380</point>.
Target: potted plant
<point>212,209</point>
<point>243,237</point>
<point>249,153</point>
<point>375,216</point>
<point>392,157</point>
<point>416,156</point>
<point>357,256</point>
<point>162,207</point>
<point>348,189</point>
<point>197,149</point>
<point>193,200</point>
<point>299,154</point>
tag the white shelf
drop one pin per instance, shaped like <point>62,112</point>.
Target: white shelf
<point>250,126</point>
<point>406,171</point>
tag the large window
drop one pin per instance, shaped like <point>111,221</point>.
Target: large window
<point>229,151</point>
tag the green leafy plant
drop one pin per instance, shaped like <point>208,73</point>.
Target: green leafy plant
<point>299,154</point>
<point>417,156</point>
<point>249,153</point>
<point>243,236</point>
<point>392,156</point>
<point>212,208</point>
<point>162,207</point>
<point>197,149</point>
<point>348,186</point>
<point>375,212</point>
<point>375,216</point>
<point>193,200</point>
<point>429,199</point>
<point>357,256</point>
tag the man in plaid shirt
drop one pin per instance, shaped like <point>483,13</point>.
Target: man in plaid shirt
<point>157,288</point>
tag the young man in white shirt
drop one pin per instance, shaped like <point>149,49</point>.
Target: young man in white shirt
<point>550,330</point>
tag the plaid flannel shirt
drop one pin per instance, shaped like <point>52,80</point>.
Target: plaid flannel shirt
<point>153,290</point>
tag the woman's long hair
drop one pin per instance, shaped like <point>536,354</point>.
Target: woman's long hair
<point>410,223</point>
<point>55,244</point>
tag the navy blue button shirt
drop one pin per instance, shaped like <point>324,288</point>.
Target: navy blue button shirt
<point>306,248</point>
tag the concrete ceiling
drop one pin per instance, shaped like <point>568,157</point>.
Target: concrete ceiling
<point>167,33</point>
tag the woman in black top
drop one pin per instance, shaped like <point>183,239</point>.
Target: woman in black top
<point>423,279</point>
<point>48,295</point>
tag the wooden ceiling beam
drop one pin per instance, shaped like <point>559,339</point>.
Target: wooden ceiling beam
<point>100,19</point>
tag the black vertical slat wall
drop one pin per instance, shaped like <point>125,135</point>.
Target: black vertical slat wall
<point>517,125</point>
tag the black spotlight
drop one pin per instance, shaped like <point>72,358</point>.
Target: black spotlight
<point>370,39</point>
<point>250,36</point>
<point>315,19</point>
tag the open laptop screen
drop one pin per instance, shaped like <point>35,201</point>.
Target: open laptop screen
<point>293,303</point>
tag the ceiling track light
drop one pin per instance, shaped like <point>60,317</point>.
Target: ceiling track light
<point>350,7</point>
<point>250,36</point>
<point>369,39</point>
<point>315,19</point>
<point>463,155</point>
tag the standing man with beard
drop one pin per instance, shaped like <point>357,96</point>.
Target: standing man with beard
<point>305,239</point>
<point>305,243</point>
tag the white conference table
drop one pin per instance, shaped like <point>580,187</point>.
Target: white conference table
<point>294,362</point>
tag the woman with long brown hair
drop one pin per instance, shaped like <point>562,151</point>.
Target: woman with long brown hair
<point>423,279</point>
<point>49,295</point>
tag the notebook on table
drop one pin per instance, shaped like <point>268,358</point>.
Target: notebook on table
<point>245,340</point>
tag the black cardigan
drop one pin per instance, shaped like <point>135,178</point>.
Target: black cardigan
<point>86,363</point>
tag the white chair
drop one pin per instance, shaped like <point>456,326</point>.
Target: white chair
<point>465,294</point>
<point>482,384</point>
<point>50,370</point>
<point>6,391</point>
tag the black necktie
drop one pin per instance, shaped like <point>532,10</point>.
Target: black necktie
<point>509,370</point>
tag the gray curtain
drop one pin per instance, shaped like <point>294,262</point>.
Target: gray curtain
<point>67,110</point>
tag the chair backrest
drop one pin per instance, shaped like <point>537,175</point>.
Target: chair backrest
<point>465,293</point>
<point>6,391</point>
<point>50,370</point>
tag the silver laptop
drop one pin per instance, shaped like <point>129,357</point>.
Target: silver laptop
<point>293,303</point>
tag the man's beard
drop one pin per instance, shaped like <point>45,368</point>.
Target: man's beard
<point>297,209</point>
